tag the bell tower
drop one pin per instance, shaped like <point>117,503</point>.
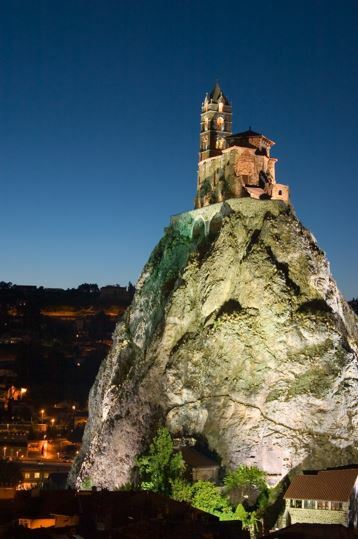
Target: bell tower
<point>215,123</point>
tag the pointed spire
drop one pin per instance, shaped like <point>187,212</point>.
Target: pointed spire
<point>217,93</point>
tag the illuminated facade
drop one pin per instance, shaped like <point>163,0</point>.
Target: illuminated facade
<point>324,497</point>
<point>233,165</point>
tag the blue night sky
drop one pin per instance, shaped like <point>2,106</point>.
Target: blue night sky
<point>100,102</point>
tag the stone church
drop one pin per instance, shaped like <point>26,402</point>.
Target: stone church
<point>233,165</point>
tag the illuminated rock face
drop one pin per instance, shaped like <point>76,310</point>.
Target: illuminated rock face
<point>237,332</point>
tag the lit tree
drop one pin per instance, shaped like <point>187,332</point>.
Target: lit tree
<point>162,465</point>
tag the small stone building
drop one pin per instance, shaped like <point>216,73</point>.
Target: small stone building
<point>325,497</point>
<point>233,165</point>
<point>199,466</point>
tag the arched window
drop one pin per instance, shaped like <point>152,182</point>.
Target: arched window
<point>220,143</point>
<point>205,142</point>
<point>220,123</point>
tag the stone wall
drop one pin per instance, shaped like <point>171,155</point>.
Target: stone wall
<point>295,515</point>
<point>224,176</point>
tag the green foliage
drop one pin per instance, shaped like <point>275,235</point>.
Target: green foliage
<point>246,476</point>
<point>247,518</point>
<point>263,501</point>
<point>203,495</point>
<point>162,469</point>
<point>162,465</point>
<point>10,474</point>
<point>182,491</point>
<point>87,484</point>
<point>314,381</point>
<point>207,497</point>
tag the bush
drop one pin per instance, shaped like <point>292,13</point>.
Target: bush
<point>162,466</point>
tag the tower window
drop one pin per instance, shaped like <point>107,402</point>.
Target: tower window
<point>220,123</point>
<point>205,142</point>
<point>220,143</point>
<point>280,192</point>
<point>221,106</point>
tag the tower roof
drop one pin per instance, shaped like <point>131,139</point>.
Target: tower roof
<point>216,93</point>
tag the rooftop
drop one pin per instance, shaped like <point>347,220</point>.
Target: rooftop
<point>195,459</point>
<point>333,485</point>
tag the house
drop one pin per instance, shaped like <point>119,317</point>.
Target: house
<point>200,467</point>
<point>323,497</point>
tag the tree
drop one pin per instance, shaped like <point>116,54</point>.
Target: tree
<point>245,481</point>
<point>5,286</point>
<point>162,465</point>
<point>246,476</point>
<point>207,497</point>
<point>248,519</point>
<point>88,288</point>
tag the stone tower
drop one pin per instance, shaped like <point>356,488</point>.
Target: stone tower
<point>216,123</point>
<point>233,165</point>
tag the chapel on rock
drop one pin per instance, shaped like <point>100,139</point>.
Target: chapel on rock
<point>233,165</point>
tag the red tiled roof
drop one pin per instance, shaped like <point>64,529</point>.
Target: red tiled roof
<point>333,485</point>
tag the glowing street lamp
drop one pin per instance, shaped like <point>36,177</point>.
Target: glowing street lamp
<point>52,422</point>
<point>42,415</point>
<point>4,451</point>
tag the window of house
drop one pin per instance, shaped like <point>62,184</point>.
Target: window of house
<point>46,474</point>
<point>280,192</point>
<point>322,504</point>
<point>27,475</point>
<point>309,504</point>
<point>296,503</point>
<point>37,475</point>
<point>336,506</point>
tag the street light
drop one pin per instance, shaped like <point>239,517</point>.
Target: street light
<point>52,422</point>
<point>4,449</point>
<point>42,415</point>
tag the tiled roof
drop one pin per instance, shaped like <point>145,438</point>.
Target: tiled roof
<point>333,485</point>
<point>195,459</point>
